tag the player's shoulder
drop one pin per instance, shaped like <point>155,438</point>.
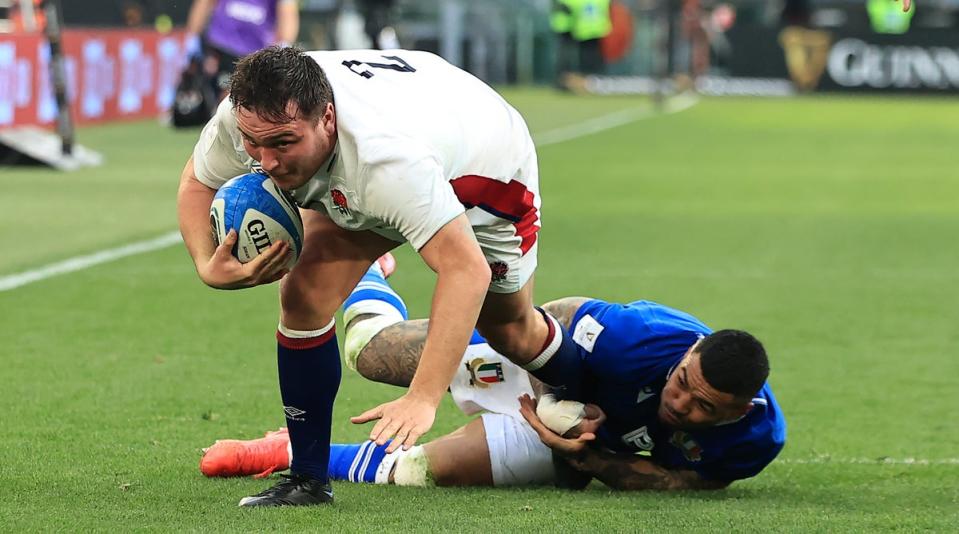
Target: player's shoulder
<point>651,316</point>
<point>344,61</point>
<point>224,111</point>
<point>222,124</point>
<point>769,421</point>
<point>219,154</point>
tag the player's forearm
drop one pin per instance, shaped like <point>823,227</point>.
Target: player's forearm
<point>287,22</point>
<point>456,305</point>
<point>193,214</point>
<point>631,472</point>
<point>199,15</point>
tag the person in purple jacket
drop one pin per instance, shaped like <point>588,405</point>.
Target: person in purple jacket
<point>231,29</point>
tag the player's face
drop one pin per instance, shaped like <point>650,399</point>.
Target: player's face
<point>688,401</point>
<point>290,152</point>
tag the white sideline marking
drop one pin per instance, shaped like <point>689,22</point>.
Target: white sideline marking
<point>566,133</point>
<point>871,461</point>
<point>77,263</point>
<point>676,104</point>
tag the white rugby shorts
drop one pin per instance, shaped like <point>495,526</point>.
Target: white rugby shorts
<point>488,382</point>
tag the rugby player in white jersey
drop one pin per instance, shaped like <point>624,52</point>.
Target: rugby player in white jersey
<point>377,148</point>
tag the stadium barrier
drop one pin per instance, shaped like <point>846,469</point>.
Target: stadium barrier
<point>111,75</point>
<point>924,61</point>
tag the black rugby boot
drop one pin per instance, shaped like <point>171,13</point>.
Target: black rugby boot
<point>293,490</point>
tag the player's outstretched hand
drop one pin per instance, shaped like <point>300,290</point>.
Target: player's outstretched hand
<point>571,448</point>
<point>407,418</point>
<point>224,271</point>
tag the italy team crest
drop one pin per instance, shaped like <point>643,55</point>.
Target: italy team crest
<point>483,373</point>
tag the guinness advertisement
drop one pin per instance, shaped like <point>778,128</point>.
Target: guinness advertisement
<point>823,60</point>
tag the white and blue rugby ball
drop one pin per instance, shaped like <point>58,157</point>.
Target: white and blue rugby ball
<point>260,212</point>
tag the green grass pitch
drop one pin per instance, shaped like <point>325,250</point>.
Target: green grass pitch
<point>827,226</point>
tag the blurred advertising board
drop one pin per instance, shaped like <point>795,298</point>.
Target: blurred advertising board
<point>823,60</point>
<point>111,75</point>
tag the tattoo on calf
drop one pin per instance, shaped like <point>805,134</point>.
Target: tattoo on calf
<point>392,355</point>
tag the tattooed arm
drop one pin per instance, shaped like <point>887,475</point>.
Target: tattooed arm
<point>564,309</point>
<point>392,355</point>
<point>618,471</point>
<point>631,472</point>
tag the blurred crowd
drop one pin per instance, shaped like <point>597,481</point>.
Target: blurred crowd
<point>489,36</point>
<point>501,41</point>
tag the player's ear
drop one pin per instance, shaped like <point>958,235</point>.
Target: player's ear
<point>328,119</point>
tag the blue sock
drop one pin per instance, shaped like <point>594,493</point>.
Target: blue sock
<point>309,369</point>
<point>374,295</point>
<point>358,462</point>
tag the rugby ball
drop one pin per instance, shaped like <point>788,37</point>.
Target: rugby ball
<point>260,212</point>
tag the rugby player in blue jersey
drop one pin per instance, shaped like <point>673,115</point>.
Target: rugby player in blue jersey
<point>654,400</point>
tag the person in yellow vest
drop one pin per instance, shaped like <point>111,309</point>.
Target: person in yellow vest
<point>581,26</point>
<point>886,16</point>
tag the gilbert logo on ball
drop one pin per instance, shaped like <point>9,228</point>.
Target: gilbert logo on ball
<point>260,212</point>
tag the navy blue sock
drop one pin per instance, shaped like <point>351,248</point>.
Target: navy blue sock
<point>309,369</point>
<point>559,363</point>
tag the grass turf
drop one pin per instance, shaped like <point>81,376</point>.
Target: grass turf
<point>825,225</point>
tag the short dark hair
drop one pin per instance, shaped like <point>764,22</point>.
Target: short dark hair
<point>267,80</point>
<point>733,362</point>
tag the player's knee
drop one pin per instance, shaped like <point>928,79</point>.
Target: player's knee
<point>299,309</point>
<point>359,333</point>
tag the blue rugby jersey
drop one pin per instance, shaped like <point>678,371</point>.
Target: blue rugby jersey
<point>628,352</point>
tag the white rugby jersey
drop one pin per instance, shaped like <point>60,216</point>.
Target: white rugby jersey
<point>418,140</point>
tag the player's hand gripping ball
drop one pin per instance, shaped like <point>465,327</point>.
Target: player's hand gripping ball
<point>260,212</point>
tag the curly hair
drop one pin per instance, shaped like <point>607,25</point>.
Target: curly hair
<point>734,362</point>
<point>268,80</point>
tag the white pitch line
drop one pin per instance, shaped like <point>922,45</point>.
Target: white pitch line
<point>551,137</point>
<point>870,461</point>
<point>77,263</point>
<point>619,118</point>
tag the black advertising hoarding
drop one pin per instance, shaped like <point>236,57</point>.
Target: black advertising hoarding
<point>824,60</point>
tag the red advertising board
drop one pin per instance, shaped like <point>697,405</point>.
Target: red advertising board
<point>111,75</point>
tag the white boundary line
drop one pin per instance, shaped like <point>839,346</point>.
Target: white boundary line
<point>676,104</point>
<point>825,460</point>
<point>551,137</point>
<point>77,263</point>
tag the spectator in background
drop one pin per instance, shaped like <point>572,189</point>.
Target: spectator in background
<point>28,17</point>
<point>581,26</point>
<point>235,28</point>
<point>887,16</point>
<point>694,34</point>
<point>133,13</point>
<point>378,23</point>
